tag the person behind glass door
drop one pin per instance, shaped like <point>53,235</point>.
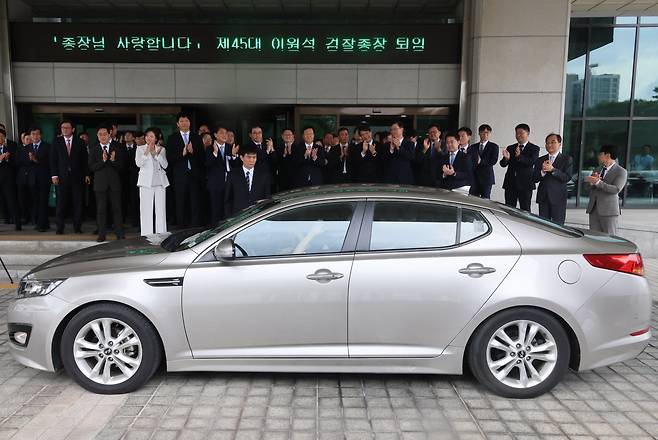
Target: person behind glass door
<point>520,159</point>
<point>130,196</point>
<point>152,181</point>
<point>486,155</point>
<point>8,193</point>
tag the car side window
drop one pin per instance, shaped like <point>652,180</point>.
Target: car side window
<point>411,225</point>
<point>315,229</point>
<point>416,225</point>
<point>472,225</point>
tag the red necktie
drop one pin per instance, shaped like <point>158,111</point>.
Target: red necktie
<point>68,146</point>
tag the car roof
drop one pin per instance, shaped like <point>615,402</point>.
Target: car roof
<point>368,190</point>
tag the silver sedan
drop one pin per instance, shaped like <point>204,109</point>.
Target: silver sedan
<point>371,278</point>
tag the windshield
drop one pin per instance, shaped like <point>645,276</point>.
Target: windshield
<point>540,221</point>
<point>188,238</point>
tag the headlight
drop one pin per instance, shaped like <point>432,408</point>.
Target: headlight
<point>30,288</point>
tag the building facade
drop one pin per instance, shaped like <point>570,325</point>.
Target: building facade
<point>579,67</point>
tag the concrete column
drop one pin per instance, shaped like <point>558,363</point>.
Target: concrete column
<point>516,54</point>
<point>7,113</point>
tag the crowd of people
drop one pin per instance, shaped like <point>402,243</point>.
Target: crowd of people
<point>198,178</point>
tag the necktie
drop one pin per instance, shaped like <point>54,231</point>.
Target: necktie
<point>551,159</point>
<point>221,150</point>
<point>186,139</point>
<point>603,173</point>
<point>246,175</point>
<point>452,158</point>
<point>258,146</point>
<point>36,148</point>
<point>432,149</point>
<point>68,146</point>
<point>481,148</point>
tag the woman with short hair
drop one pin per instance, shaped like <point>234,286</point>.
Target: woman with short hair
<point>152,181</point>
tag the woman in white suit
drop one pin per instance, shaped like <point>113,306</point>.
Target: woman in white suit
<point>152,181</point>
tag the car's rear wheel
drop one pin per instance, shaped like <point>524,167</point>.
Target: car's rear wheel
<point>110,349</point>
<point>520,353</point>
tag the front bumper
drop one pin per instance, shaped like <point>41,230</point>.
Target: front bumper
<point>42,314</point>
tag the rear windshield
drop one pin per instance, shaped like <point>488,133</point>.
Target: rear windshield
<point>540,221</point>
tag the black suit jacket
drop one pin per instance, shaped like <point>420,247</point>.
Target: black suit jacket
<point>178,162</point>
<point>520,170</point>
<point>308,172</point>
<point>366,168</point>
<point>69,169</point>
<point>8,166</point>
<point>483,172</point>
<point>463,166</point>
<point>237,195</point>
<point>34,173</point>
<point>132,170</point>
<point>427,162</point>
<point>216,167</point>
<point>553,186</point>
<point>264,161</point>
<point>397,165</point>
<point>107,175</point>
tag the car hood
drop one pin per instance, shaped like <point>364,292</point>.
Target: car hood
<point>116,255</point>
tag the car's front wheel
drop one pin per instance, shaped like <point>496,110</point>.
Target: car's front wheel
<point>110,349</point>
<point>520,353</point>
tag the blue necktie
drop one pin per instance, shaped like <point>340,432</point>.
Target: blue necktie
<point>452,158</point>
<point>186,140</point>
<point>36,148</point>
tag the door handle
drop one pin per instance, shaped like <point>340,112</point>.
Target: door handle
<point>324,276</point>
<point>476,270</point>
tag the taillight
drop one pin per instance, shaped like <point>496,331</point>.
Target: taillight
<point>627,263</point>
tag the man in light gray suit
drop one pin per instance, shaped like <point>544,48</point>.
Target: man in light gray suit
<point>606,183</point>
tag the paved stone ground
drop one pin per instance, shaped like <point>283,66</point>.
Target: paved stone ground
<point>620,401</point>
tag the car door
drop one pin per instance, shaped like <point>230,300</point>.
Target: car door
<point>285,292</point>
<point>421,271</point>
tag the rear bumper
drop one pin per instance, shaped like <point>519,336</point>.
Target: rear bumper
<point>621,307</point>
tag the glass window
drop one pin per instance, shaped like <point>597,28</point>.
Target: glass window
<point>321,124</point>
<point>642,164</point>
<point>472,226</point>
<point>575,72</point>
<point>646,79</point>
<point>649,20</point>
<point>597,133</point>
<point>315,229</point>
<point>610,71</point>
<point>571,147</point>
<point>409,225</point>
<point>626,20</point>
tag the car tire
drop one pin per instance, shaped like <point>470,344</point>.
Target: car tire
<point>502,361</point>
<point>110,349</point>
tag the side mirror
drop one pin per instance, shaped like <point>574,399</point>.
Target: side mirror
<point>225,250</point>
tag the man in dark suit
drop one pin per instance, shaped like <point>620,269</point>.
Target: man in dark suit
<point>220,160</point>
<point>35,163</point>
<point>107,162</point>
<point>69,169</point>
<point>129,189</point>
<point>553,172</point>
<point>8,190</point>
<point>365,158</point>
<point>246,184</point>
<point>266,155</point>
<point>454,169</point>
<point>285,176</point>
<point>486,156</point>
<point>520,159</point>
<point>398,157</point>
<point>308,160</point>
<point>338,169</point>
<point>427,154</point>
<point>187,158</point>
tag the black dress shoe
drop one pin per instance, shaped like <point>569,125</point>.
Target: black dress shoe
<point>78,231</point>
<point>121,237</point>
<point>59,232</point>
<point>95,231</point>
<point>18,228</point>
<point>100,239</point>
<point>42,229</point>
